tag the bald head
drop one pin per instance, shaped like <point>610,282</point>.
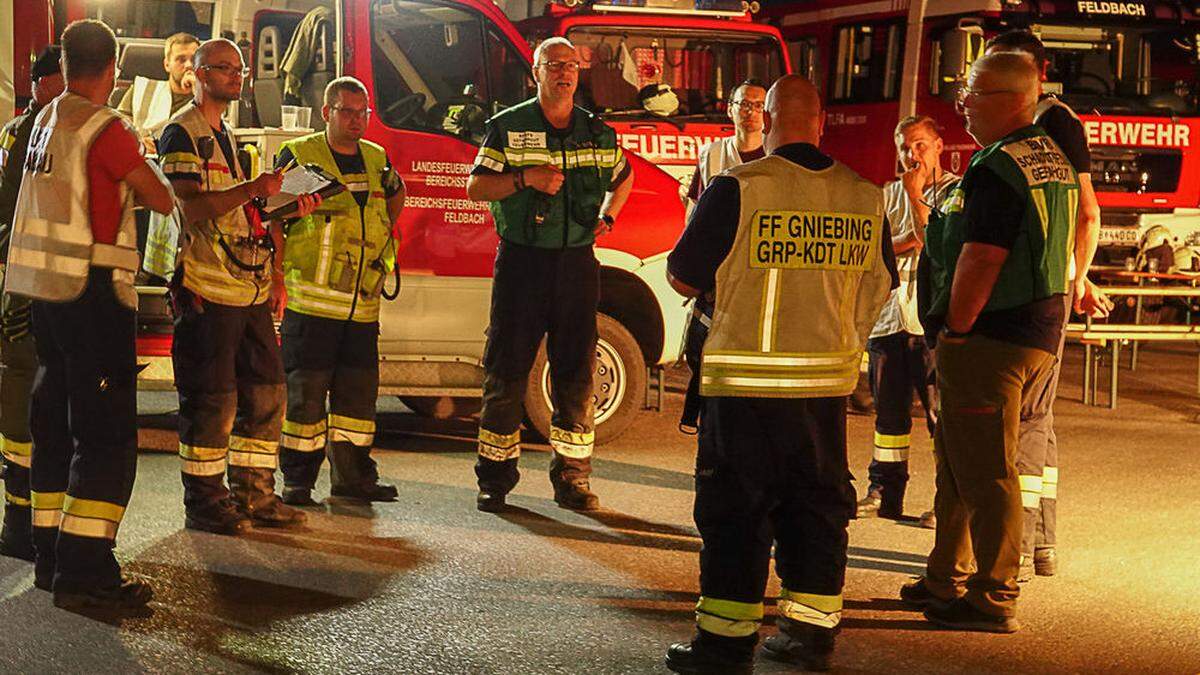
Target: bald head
<point>218,66</point>
<point>792,113</point>
<point>1001,95</point>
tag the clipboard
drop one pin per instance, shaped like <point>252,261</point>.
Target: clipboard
<point>305,179</point>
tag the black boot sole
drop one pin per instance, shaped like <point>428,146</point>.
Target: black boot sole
<point>712,669</point>
<point>491,505</point>
<point>816,664</point>
<point>215,528</point>
<point>982,626</point>
<point>77,601</point>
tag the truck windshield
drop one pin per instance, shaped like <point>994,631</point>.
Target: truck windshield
<point>1145,70</point>
<point>155,18</point>
<point>699,67</point>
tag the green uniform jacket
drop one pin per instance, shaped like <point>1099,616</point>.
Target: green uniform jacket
<point>14,142</point>
<point>520,137</point>
<point>1037,267</point>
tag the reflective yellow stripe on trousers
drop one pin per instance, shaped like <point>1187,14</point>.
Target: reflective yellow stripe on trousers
<point>1031,491</point>
<point>811,608</point>
<point>728,617</point>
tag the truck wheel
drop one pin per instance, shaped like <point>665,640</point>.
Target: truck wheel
<point>442,407</point>
<point>619,381</point>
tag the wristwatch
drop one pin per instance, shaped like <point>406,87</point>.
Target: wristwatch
<point>608,220</point>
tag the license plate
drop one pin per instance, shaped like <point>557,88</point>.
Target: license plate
<point>1119,236</point>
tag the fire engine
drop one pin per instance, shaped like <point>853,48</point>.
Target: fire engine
<point>700,50</point>
<point>436,70</point>
<point>1128,68</point>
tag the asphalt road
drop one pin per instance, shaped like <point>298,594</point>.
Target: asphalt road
<point>430,585</point>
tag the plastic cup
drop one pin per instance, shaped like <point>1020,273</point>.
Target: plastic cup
<point>287,118</point>
<point>303,115</point>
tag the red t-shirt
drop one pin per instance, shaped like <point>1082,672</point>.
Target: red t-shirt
<point>115,152</point>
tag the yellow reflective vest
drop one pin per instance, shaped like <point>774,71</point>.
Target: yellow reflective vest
<point>802,285</point>
<point>52,247</point>
<point>337,259</point>
<point>208,268</point>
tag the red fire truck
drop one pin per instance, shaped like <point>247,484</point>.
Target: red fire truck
<point>700,50</point>
<point>436,70</point>
<point>1129,68</point>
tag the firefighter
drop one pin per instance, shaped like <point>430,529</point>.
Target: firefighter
<point>74,252</point>
<point>998,256</point>
<point>900,362</point>
<point>330,330</point>
<point>18,357</point>
<point>1037,454</point>
<point>745,145</point>
<point>797,248</point>
<point>151,103</point>
<point>227,364</point>
<point>556,180</point>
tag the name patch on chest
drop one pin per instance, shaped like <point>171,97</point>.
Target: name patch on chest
<point>1040,159</point>
<point>522,140</point>
<point>813,240</point>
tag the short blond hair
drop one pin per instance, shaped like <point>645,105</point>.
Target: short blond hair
<point>548,43</point>
<point>333,90</point>
<point>917,120</point>
<point>179,39</point>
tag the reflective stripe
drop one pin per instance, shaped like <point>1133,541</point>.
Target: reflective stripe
<point>770,302</point>
<point>352,424</point>
<point>499,447</point>
<point>355,438</point>
<point>811,608</point>
<point>777,383</point>
<point>304,436</point>
<point>298,444</point>
<point>890,454</point>
<point>15,500</point>
<point>92,508</point>
<point>212,468</point>
<point>46,517</point>
<point>17,453</point>
<point>728,617</point>
<point>1031,491</point>
<point>1050,482</point>
<point>252,445</point>
<point>94,528</point>
<point>839,359</point>
<point>572,444</point>
<point>48,500</point>
<point>253,460</point>
<point>200,453</point>
<point>896,441</point>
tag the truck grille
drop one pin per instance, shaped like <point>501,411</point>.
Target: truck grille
<point>1136,170</point>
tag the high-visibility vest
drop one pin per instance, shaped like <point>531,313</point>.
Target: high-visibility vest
<point>715,157</point>
<point>151,105</point>
<point>208,270</point>
<point>52,247</point>
<point>801,287</point>
<point>337,259</point>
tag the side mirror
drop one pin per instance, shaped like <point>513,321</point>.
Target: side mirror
<point>958,48</point>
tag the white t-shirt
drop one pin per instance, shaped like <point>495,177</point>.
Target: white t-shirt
<point>899,313</point>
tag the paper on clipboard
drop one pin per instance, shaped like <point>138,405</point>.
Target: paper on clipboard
<point>300,180</point>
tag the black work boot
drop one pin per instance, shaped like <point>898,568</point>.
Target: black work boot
<point>254,495</point>
<point>868,506</point>
<point>16,539</point>
<point>221,517</point>
<point>572,490</point>
<point>917,594</point>
<point>802,644</point>
<point>370,492</point>
<point>297,496</point>
<point>713,655</point>
<point>130,593</point>
<point>960,614</point>
<point>1045,561</point>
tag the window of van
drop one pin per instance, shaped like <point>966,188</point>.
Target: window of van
<point>155,18</point>
<point>803,53</point>
<point>439,68</point>
<point>868,62</point>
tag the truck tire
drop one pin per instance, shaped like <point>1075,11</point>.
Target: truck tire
<point>442,407</point>
<point>619,380</point>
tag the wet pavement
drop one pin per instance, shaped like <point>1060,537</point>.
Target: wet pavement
<point>430,585</point>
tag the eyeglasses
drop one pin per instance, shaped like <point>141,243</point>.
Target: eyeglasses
<point>569,66</point>
<point>750,106</point>
<point>965,94</point>
<point>354,113</point>
<point>229,70</point>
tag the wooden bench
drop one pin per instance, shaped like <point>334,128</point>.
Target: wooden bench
<point>1097,337</point>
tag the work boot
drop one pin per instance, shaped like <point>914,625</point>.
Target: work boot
<point>928,520</point>
<point>805,645</point>
<point>707,656</point>
<point>1045,562</point>
<point>299,497</point>
<point>576,495</point>
<point>272,512</point>
<point>16,538</point>
<point>962,615</point>
<point>1025,572</point>
<point>490,502</point>
<point>868,506</point>
<point>253,491</point>
<point>130,593</point>
<point>917,594</point>
<point>219,518</point>
<point>370,492</point>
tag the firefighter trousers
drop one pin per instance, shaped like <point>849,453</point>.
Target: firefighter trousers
<point>83,419</point>
<point>981,383</point>
<point>229,376</point>
<point>339,360</point>
<point>1037,458</point>
<point>539,292</point>
<point>771,470</point>
<point>18,363</point>
<point>899,364</point>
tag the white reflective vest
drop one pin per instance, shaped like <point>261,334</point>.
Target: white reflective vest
<point>52,247</point>
<point>151,105</point>
<point>802,285</point>
<point>208,269</point>
<point>716,157</point>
